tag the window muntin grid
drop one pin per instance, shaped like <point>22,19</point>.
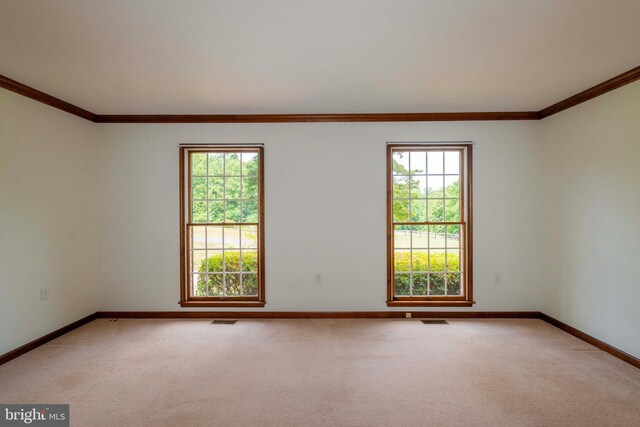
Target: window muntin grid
<point>429,223</point>
<point>224,223</point>
<point>224,187</point>
<point>224,260</point>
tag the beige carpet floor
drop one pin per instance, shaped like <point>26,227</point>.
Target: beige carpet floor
<point>353,372</point>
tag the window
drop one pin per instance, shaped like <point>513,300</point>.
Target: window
<point>222,234</point>
<point>429,225</point>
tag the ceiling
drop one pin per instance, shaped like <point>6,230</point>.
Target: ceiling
<point>329,56</point>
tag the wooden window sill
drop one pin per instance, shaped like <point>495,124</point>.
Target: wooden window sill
<point>430,303</point>
<point>220,303</point>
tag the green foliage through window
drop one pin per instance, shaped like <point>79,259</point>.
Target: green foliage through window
<point>428,276</point>
<point>426,189</point>
<point>228,283</point>
<point>224,187</point>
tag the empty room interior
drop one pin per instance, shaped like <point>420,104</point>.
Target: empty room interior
<point>310,213</point>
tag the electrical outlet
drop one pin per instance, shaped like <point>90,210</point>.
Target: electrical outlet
<point>497,278</point>
<point>44,294</point>
<point>317,278</point>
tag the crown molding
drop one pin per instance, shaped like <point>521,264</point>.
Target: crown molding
<point>306,118</point>
<point>39,96</point>
<point>597,90</point>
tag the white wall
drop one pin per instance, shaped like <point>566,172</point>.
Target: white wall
<point>91,212</point>
<point>325,211</point>
<point>592,217</point>
<point>48,219</point>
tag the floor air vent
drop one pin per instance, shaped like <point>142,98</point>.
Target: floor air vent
<point>434,322</point>
<point>224,322</point>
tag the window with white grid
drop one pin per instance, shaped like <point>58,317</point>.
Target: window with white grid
<point>222,230</point>
<point>429,220</point>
